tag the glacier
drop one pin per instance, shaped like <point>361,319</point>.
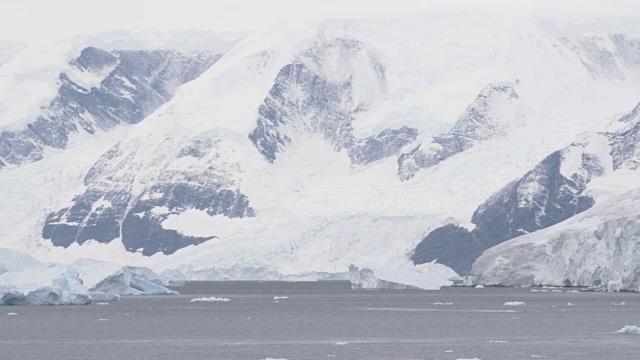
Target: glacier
<point>596,249</point>
<point>296,151</point>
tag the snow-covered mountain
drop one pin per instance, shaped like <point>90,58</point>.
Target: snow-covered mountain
<point>302,149</point>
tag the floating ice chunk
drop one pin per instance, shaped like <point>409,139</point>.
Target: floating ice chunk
<point>280,297</point>
<point>12,314</point>
<point>103,319</point>
<point>479,286</point>
<point>498,341</point>
<point>571,304</point>
<point>102,303</point>
<point>341,343</point>
<point>622,303</point>
<point>448,351</point>
<point>514,303</point>
<point>442,303</point>
<point>629,329</point>
<point>539,356</point>
<point>210,299</point>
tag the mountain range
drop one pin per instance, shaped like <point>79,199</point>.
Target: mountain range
<point>504,148</point>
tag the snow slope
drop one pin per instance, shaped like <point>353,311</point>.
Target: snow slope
<point>8,49</point>
<point>285,157</point>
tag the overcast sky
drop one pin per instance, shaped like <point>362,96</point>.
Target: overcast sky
<point>22,20</point>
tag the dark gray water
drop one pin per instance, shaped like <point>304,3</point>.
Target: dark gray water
<point>327,320</point>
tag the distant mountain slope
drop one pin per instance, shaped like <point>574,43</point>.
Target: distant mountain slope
<point>101,90</point>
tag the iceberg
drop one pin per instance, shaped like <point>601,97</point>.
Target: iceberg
<point>429,276</point>
<point>131,280</point>
<point>26,281</point>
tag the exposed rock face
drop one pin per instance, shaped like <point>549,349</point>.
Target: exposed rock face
<point>494,112</point>
<point>103,89</point>
<point>310,97</point>
<point>110,208</point>
<point>625,143</point>
<point>550,193</point>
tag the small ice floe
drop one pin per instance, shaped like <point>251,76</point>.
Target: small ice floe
<point>571,304</point>
<point>514,303</point>
<point>102,303</point>
<point>12,314</point>
<point>629,329</point>
<point>341,343</point>
<point>479,286</point>
<point>103,319</point>
<point>210,299</point>
<point>556,291</point>
<point>498,341</point>
<point>539,356</point>
<point>280,297</point>
<point>573,291</point>
<point>622,303</point>
<point>443,303</point>
<point>449,351</point>
<point>539,290</point>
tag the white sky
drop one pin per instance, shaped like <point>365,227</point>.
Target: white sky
<point>22,20</point>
